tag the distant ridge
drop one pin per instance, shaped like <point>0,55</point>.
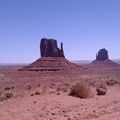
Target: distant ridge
<point>89,61</point>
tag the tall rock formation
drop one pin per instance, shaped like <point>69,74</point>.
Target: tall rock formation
<point>102,55</point>
<point>49,48</point>
<point>52,59</point>
<point>103,61</point>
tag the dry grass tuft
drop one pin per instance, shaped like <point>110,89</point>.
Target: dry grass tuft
<point>5,96</point>
<point>81,90</point>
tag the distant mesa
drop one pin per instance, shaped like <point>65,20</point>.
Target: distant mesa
<point>102,55</point>
<point>102,59</point>
<point>52,58</point>
<point>49,48</point>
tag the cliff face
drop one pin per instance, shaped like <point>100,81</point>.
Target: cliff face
<point>102,55</point>
<point>49,48</point>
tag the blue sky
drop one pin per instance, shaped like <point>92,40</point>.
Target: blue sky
<point>84,26</point>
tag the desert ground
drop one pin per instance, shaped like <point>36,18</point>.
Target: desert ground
<point>34,95</point>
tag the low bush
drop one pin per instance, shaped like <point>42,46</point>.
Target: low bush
<point>112,82</point>
<point>102,90</point>
<point>8,95</point>
<point>37,93</point>
<point>81,90</point>
<point>5,96</point>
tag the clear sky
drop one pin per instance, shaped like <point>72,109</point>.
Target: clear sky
<point>84,26</point>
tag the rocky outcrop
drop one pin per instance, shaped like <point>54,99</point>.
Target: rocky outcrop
<point>102,55</point>
<point>102,61</point>
<point>49,48</point>
<point>52,59</point>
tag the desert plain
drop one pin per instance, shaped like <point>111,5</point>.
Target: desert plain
<point>44,95</point>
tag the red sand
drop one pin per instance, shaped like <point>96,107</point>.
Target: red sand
<point>53,101</point>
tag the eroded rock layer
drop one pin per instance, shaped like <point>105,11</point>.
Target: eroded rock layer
<point>50,64</point>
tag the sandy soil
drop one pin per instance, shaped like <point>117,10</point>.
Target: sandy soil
<point>45,96</point>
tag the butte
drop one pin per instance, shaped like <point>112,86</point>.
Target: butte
<point>102,59</point>
<point>52,58</point>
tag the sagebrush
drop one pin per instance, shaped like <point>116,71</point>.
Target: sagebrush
<point>81,90</point>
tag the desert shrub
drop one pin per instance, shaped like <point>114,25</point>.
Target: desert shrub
<point>37,93</point>
<point>28,87</point>
<point>39,85</point>
<point>5,96</point>
<point>8,95</point>
<point>12,87</point>
<point>102,90</point>
<point>9,88</point>
<point>58,89</point>
<point>112,82</point>
<point>81,90</point>
<point>31,94</point>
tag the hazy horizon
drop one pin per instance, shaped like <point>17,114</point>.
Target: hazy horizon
<point>84,27</point>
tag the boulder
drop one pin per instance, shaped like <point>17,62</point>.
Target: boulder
<point>101,91</point>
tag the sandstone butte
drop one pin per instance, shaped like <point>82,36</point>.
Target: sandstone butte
<point>52,58</point>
